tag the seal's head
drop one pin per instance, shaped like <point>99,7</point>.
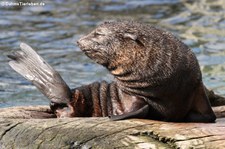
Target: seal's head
<point>96,44</point>
<point>110,42</point>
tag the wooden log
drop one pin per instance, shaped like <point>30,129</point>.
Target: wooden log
<point>28,112</point>
<point>219,111</point>
<point>35,127</point>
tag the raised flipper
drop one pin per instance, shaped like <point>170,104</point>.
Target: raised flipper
<point>140,113</point>
<point>35,69</point>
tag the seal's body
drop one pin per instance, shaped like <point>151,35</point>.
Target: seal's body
<point>156,77</point>
<point>101,99</point>
<point>154,67</point>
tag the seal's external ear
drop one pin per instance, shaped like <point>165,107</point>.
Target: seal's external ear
<point>134,38</point>
<point>131,36</point>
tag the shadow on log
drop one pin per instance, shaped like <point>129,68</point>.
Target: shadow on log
<point>35,127</point>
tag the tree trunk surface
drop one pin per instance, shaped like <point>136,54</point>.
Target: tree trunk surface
<point>36,127</point>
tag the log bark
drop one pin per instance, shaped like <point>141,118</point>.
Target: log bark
<point>36,127</point>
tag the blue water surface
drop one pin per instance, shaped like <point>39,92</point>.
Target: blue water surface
<point>53,28</point>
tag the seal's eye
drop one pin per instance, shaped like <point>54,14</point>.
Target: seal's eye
<point>98,33</point>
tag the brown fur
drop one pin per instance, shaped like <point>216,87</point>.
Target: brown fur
<point>98,100</point>
<point>153,70</point>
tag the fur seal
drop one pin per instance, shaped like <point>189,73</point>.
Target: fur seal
<point>156,76</point>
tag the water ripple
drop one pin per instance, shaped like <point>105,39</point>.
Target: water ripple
<point>53,29</point>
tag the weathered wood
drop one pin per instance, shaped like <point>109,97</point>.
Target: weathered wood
<point>219,111</point>
<point>21,128</point>
<point>26,112</point>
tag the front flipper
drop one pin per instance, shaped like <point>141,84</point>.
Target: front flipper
<point>140,113</point>
<point>201,110</point>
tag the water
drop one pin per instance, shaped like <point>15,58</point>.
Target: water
<point>53,29</point>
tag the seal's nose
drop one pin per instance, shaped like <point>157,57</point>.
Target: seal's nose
<point>80,42</point>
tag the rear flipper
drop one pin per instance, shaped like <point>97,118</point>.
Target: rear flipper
<point>35,69</point>
<point>215,100</point>
<point>139,113</point>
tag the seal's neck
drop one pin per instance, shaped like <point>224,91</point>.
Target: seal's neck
<point>131,81</point>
